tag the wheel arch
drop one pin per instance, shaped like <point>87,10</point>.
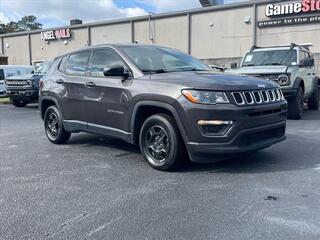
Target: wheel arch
<point>46,102</point>
<point>144,109</point>
<point>299,82</point>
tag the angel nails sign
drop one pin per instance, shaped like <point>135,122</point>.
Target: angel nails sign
<point>63,33</point>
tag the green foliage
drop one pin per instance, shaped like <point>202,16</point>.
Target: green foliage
<point>27,23</point>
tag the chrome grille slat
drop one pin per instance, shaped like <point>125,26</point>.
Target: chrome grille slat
<point>257,97</point>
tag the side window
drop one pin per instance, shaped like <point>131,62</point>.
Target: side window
<point>104,59</point>
<point>303,55</point>
<point>77,63</point>
<point>62,65</point>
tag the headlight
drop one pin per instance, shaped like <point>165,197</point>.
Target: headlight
<point>283,80</point>
<point>205,97</point>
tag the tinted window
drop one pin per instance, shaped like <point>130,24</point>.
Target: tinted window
<point>43,67</point>
<point>62,65</point>
<point>304,55</point>
<point>77,63</point>
<point>102,60</point>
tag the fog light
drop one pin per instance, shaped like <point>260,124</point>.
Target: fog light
<point>214,122</point>
<point>215,127</point>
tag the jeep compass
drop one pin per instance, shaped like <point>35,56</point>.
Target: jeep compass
<point>170,104</point>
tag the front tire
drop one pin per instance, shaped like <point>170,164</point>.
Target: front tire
<point>161,143</point>
<point>53,126</point>
<point>313,102</point>
<point>295,105</point>
<point>19,103</point>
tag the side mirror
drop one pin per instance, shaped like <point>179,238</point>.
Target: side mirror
<point>234,65</point>
<point>118,71</point>
<point>308,62</point>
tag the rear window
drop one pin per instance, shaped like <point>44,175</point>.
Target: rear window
<point>62,65</point>
<point>77,63</point>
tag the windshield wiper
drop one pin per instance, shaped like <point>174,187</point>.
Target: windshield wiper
<point>197,70</point>
<point>249,65</point>
<point>274,64</point>
<point>154,71</point>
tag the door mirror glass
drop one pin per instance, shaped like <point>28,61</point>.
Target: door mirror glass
<point>117,71</point>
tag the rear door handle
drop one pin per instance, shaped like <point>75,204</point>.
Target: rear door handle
<point>60,81</point>
<point>90,84</point>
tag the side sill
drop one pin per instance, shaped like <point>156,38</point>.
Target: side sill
<point>76,126</point>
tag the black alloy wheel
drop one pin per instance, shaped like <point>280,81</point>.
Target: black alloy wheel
<point>54,127</point>
<point>161,143</point>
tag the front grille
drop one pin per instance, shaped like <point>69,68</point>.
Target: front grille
<point>272,77</point>
<point>18,83</point>
<point>257,97</point>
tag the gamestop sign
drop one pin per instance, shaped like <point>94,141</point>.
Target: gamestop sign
<point>64,33</point>
<point>292,13</point>
<point>302,7</point>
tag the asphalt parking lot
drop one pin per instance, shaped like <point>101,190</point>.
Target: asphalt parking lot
<point>101,188</point>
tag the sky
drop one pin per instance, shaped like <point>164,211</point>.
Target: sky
<point>55,13</point>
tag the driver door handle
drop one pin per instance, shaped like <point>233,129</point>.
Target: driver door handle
<point>90,84</point>
<point>60,81</point>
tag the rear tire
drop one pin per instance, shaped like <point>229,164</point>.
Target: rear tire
<point>19,103</point>
<point>53,126</point>
<point>313,102</point>
<point>161,143</point>
<point>295,105</point>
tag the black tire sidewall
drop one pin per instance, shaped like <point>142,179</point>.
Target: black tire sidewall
<point>18,103</point>
<point>165,123</point>
<point>295,112</point>
<point>300,96</point>
<point>313,102</point>
<point>46,116</point>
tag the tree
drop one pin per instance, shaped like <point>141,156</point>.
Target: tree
<point>26,23</point>
<point>29,23</point>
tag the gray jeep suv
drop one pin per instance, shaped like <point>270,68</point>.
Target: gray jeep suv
<point>170,104</point>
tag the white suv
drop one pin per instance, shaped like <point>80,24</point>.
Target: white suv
<point>292,67</point>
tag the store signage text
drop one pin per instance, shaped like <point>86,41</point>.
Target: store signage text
<point>63,33</point>
<point>289,21</point>
<point>301,7</point>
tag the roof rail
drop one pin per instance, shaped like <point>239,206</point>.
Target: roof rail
<point>292,45</point>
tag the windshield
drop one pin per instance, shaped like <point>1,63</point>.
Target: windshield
<point>151,59</point>
<point>270,57</point>
<point>43,68</point>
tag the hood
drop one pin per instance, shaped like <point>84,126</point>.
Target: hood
<point>214,81</point>
<point>20,77</point>
<point>259,70</point>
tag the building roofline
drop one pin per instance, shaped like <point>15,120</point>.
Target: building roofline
<point>146,17</point>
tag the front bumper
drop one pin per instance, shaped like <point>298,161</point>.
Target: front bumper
<point>245,141</point>
<point>27,95</point>
<point>289,93</point>
<point>254,127</point>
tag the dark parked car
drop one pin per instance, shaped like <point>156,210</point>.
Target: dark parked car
<point>168,102</point>
<point>24,89</point>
